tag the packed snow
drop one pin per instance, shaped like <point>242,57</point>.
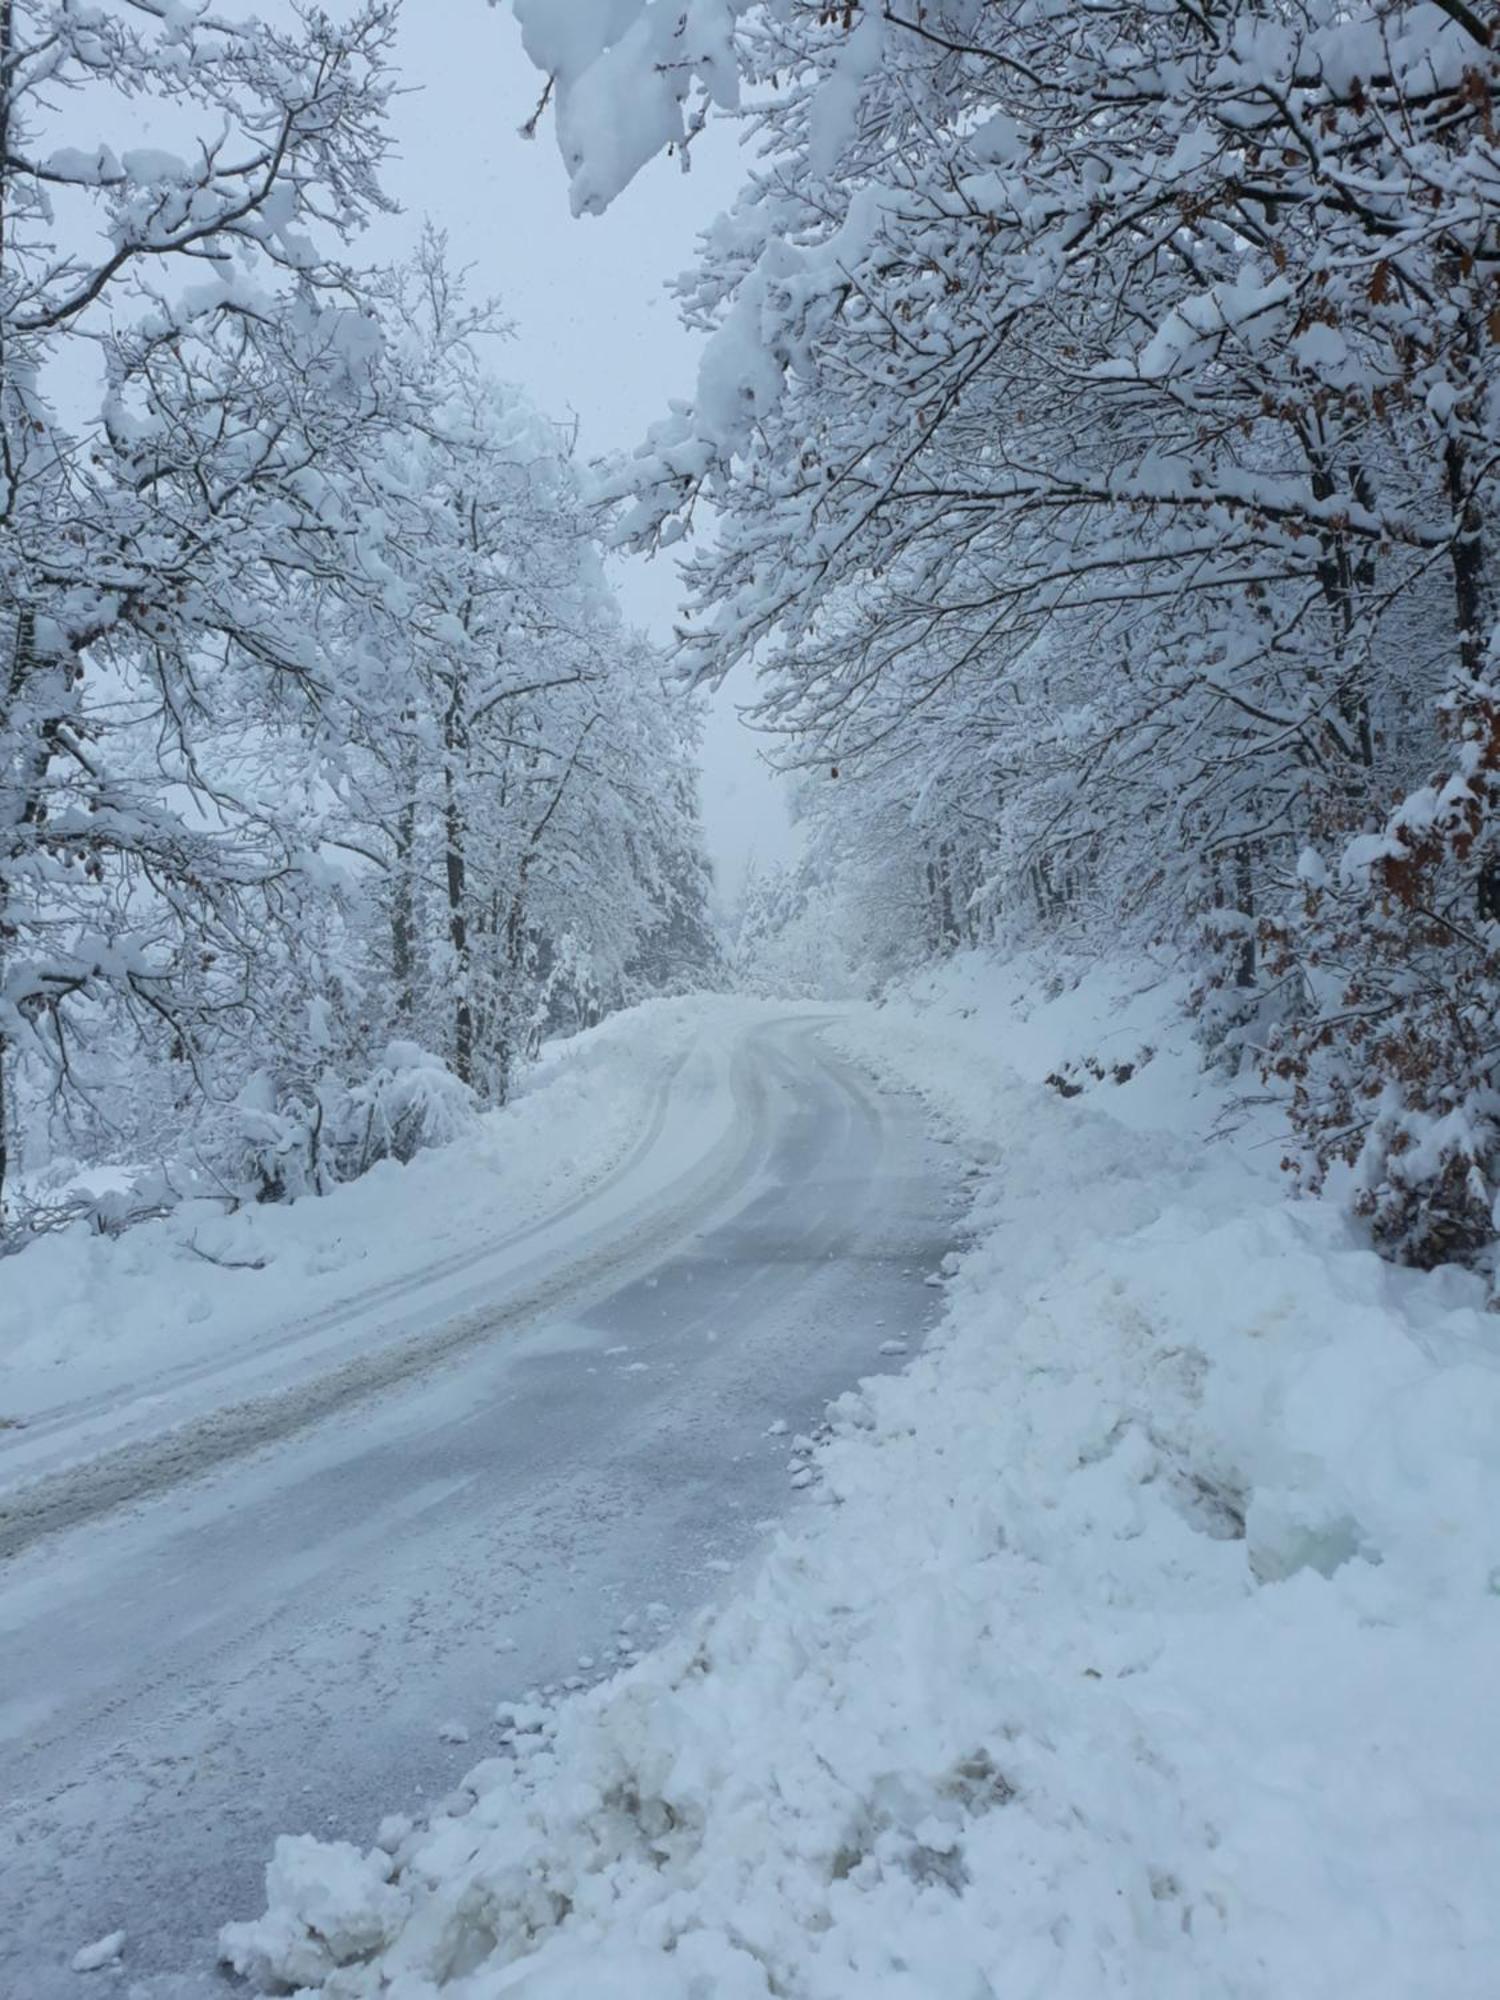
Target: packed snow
<point>1140,1639</point>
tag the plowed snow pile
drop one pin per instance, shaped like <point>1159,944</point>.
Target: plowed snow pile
<point>1143,1642</point>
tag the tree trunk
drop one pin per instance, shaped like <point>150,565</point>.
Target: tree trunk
<point>1343,576</point>
<point>508,1038</point>
<point>456,869</point>
<point>1244,889</point>
<point>1469,589</point>
<point>404,917</point>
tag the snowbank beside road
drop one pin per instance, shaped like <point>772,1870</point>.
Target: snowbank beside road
<point>84,1314</point>
<point>1143,1644</point>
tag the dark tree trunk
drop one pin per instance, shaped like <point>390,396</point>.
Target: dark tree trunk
<point>456,870</point>
<point>1344,576</point>
<point>1244,890</point>
<point>1469,590</point>
<point>404,917</point>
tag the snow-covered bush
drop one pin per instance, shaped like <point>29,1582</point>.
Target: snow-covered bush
<point>1395,1063</point>
<point>305,1137</point>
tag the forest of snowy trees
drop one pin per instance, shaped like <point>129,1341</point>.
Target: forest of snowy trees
<point>1094,454</point>
<point>330,776</point>
<point>1100,417</point>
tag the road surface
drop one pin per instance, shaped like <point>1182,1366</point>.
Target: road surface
<point>237,1603</point>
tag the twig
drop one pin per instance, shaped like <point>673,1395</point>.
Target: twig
<point>227,1263</point>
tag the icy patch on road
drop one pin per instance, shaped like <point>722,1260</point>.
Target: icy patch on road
<point>1141,1641</point>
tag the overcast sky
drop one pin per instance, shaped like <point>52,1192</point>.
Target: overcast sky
<point>595,334</point>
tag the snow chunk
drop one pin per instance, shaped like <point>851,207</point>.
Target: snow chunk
<point>103,1952</point>
<point>327,1905</point>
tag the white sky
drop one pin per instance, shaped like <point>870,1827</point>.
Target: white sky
<point>596,336</point>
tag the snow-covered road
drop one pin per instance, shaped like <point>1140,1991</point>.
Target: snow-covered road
<point>288,1587</point>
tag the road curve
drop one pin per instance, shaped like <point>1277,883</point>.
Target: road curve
<point>89,1486</point>
<point>276,1614</point>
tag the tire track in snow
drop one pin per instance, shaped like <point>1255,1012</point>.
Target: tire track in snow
<point>146,1470</point>
<point>61,1417</point>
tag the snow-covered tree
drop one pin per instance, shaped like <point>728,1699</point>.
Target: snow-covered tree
<point>525,780</point>
<point>328,771</point>
<point>182,365</point>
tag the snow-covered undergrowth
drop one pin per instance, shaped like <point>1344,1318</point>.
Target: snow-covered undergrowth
<point>84,1312</point>
<point>1143,1643</point>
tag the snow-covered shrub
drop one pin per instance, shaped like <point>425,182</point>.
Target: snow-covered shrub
<point>1238,994</point>
<point>1395,1067</point>
<point>304,1138</point>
